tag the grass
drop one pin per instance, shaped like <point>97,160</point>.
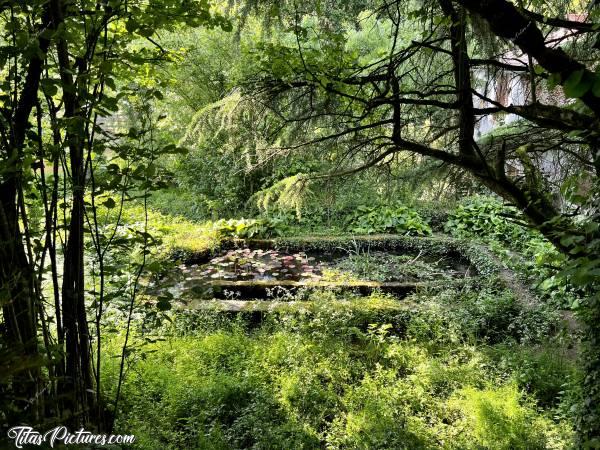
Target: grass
<point>177,233</point>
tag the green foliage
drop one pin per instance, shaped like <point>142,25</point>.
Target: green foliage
<point>387,219</point>
<point>335,372</point>
<point>484,217</point>
<point>580,82</point>
<point>248,228</point>
<point>489,315</point>
<point>500,418</point>
<point>522,249</point>
<point>545,372</point>
<point>582,270</point>
<point>239,148</point>
<point>382,266</point>
<point>290,192</point>
<point>341,373</point>
<point>177,202</point>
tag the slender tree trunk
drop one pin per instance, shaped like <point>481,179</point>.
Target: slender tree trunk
<point>17,277</point>
<point>77,385</point>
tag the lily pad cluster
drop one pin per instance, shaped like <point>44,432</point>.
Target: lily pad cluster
<point>248,264</point>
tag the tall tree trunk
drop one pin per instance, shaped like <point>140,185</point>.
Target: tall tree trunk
<point>17,294</point>
<point>17,278</point>
<point>78,384</point>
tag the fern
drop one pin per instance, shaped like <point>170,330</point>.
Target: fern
<point>289,193</point>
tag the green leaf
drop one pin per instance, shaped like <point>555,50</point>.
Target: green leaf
<point>109,203</point>
<point>554,80</point>
<point>146,32</point>
<point>49,87</point>
<point>150,170</point>
<point>109,82</point>
<point>106,67</point>
<point>163,305</point>
<point>578,83</point>
<point>131,26</point>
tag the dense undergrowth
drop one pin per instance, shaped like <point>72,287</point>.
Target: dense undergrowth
<point>452,370</point>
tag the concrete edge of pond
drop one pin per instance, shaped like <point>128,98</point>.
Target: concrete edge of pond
<point>265,306</point>
<point>316,284</point>
<point>261,288</point>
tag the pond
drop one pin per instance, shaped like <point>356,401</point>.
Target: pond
<point>244,273</point>
<point>259,265</point>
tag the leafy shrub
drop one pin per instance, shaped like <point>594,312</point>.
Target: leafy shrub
<point>497,315</point>
<point>522,249</point>
<point>381,413</point>
<point>435,216</point>
<point>485,217</point>
<point>491,315</point>
<point>383,266</point>
<point>248,228</point>
<point>178,202</point>
<point>387,219</point>
<point>500,418</point>
<point>544,372</point>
